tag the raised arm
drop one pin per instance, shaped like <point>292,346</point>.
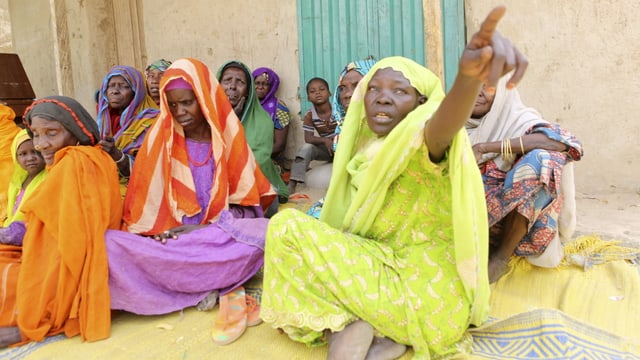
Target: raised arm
<point>487,57</point>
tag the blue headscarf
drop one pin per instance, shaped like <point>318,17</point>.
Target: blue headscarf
<point>361,66</point>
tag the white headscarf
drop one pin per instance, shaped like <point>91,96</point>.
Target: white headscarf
<point>508,118</point>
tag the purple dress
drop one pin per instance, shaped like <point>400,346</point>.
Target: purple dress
<point>147,277</point>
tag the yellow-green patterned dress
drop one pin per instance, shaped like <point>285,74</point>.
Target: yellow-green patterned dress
<point>407,233</point>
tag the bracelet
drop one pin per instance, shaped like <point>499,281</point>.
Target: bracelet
<point>521,146</point>
<point>505,149</point>
<point>121,159</point>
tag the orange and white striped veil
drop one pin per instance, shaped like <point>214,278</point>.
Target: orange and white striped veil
<point>161,189</point>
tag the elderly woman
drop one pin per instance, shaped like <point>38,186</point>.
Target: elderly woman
<point>522,158</point>
<point>193,211</point>
<point>237,82</point>
<point>57,282</point>
<point>125,113</point>
<point>267,83</point>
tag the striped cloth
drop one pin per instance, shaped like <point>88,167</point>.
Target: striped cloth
<point>161,188</point>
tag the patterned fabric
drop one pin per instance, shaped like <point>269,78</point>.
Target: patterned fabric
<point>17,179</point>
<point>258,128</point>
<point>161,65</point>
<point>361,66</point>
<point>326,130</point>
<point>393,219</point>
<point>135,119</point>
<point>530,184</point>
<point>161,190</point>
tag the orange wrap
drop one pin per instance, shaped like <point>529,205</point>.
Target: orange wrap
<point>161,188</point>
<point>8,131</point>
<point>63,284</point>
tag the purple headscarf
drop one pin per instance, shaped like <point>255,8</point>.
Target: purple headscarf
<point>270,101</point>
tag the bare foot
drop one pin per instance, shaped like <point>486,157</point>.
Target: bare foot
<point>209,302</point>
<point>497,267</point>
<point>384,348</point>
<point>352,343</point>
<point>9,336</point>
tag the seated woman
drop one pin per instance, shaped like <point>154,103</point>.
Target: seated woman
<point>154,73</point>
<point>28,174</point>
<point>318,120</point>
<point>267,83</point>
<point>193,212</point>
<point>521,157</point>
<point>237,82</point>
<point>125,113</point>
<point>399,256</point>
<point>349,78</point>
<point>57,282</point>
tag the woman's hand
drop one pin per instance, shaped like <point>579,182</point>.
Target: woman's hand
<point>109,146</point>
<point>175,232</point>
<point>240,106</point>
<point>478,151</point>
<point>489,55</point>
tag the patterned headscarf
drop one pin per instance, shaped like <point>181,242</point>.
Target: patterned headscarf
<point>161,65</point>
<point>135,118</point>
<point>69,113</point>
<point>270,101</point>
<point>161,189</point>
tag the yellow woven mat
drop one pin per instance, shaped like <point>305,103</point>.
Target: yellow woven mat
<point>537,313</point>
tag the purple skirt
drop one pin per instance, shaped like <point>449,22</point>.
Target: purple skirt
<point>150,278</point>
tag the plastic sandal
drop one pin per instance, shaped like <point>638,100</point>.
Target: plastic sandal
<point>232,317</point>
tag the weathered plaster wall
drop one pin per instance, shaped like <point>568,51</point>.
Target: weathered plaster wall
<point>258,33</point>
<point>584,64</point>
<point>6,45</point>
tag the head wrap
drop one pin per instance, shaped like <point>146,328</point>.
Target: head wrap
<point>258,127</point>
<point>135,118</point>
<point>362,67</point>
<point>354,210</point>
<point>507,118</point>
<point>17,179</point>
<point>161,189</point>
<point>69,113</point>
<point>270,101</point>
<point>178,83</point>
<point>161,65</point>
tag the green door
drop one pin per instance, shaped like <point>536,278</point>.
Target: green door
<point>335,32</point>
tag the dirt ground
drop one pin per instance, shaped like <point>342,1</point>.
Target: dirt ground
<point>611,213</point>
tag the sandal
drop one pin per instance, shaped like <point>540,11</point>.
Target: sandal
<point>253,311</point>
<point>299,197</point>
<point>232,317</point>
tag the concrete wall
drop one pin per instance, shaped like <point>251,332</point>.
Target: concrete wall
<point>582,56</point>
<point>584,63</point>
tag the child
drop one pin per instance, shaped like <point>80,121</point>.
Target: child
<point>27,175</point>
<point>320,119</point>
<point>401,248</point>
